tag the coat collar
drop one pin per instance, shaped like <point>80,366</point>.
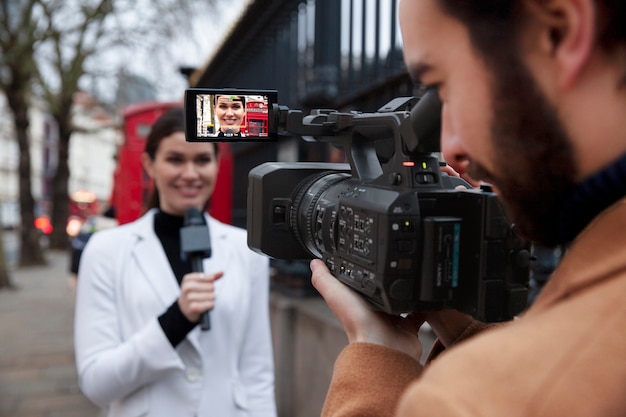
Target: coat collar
<point>151,258</point>
<point>597,254</point>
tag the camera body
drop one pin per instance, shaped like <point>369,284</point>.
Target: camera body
<point>403,249</point>
<point>389,223</point>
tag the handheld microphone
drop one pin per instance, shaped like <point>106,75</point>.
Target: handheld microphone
<point>195,245</point>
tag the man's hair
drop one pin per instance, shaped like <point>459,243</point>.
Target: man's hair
<point>494,25</point>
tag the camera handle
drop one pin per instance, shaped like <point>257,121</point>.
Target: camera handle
<point>415,134</point>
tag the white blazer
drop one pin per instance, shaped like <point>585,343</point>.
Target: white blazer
<point>124,360</point>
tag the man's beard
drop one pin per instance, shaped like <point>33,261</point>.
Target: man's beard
<point>535,166</point>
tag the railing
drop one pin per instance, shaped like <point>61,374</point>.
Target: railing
<point>340,54</point>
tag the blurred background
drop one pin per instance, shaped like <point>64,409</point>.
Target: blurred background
<point>81,81</point>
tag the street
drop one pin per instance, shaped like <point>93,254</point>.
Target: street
<point>37,372</point>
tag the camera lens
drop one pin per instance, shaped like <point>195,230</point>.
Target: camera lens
<point>314,205</point>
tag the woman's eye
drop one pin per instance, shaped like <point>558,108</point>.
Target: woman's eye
<point>204,160</point>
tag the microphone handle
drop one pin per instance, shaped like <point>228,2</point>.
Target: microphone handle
<point>196,266</point>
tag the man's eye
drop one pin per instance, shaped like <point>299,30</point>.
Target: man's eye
<point>432,87</point>
<point>437,88</point>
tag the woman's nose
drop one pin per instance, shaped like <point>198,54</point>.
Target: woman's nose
<point>189,170</point>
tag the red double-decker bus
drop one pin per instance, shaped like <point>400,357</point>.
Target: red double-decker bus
<point>256,116</point>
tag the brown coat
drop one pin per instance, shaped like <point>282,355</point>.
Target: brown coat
<point>565,357</point>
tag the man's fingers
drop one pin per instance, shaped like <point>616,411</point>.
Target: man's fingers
<point>325,283</point>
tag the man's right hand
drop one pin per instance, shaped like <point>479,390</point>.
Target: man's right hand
<point>448,325</point>
<point>360,322</point>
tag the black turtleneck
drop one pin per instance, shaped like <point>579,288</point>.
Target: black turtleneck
<point>592,196</point>
<point>173,322</point>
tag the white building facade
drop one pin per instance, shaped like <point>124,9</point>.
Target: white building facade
<point>93,148</point>
<point>91,156</point>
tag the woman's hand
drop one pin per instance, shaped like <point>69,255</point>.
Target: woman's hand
<point>197,294</point>
<point>360,322</point>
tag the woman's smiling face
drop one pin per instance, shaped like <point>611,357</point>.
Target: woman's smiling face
<point>230,112</point>
<point>183,172</point>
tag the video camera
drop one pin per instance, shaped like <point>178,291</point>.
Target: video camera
<point>389,224</point>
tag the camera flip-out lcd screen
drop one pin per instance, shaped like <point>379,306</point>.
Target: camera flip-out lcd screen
<point>223,115</point>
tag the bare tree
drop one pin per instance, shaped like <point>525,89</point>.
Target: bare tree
<point>5,278</point>
<point>69,45</point>
<point>48,47</point>
<point>19,36</point>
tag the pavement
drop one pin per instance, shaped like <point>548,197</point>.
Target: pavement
<point>37,372</point>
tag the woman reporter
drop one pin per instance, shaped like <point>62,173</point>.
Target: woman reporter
<point>139,350</point>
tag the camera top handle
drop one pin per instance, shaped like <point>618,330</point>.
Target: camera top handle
<point>412,124</point>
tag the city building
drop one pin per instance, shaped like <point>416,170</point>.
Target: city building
<point>91,156</point>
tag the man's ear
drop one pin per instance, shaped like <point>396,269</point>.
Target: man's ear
<point>568,33</point>
<point>147,163</point>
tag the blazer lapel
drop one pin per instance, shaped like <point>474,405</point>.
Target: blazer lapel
<point>222,253</point>
<point>221,256</point>
<point>151,258</point>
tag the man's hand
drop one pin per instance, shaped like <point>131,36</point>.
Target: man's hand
<point>451,172</point>
<point>448,325</point>
<point>360,322</point>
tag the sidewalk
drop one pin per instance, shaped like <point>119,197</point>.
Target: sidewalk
<point>37,372</point>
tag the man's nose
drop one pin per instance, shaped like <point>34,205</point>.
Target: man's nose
<point>451,147</point>
<point>454,153</point>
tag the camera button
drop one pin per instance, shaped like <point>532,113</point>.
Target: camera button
<point>425,178</point>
